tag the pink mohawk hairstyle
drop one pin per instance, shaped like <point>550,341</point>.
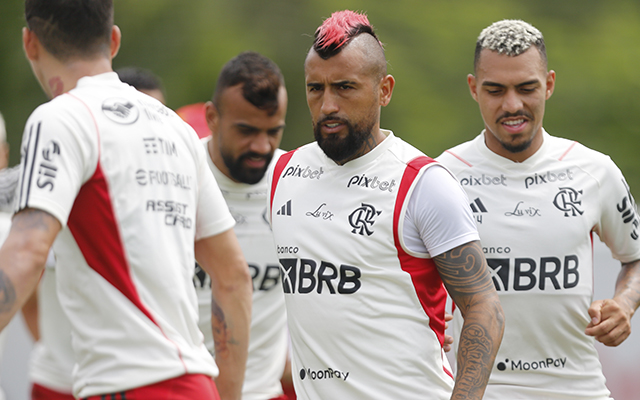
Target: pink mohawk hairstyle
<point>338,30</point>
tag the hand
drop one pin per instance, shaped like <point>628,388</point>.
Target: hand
<point>448,340</point>
<point>610,322</point>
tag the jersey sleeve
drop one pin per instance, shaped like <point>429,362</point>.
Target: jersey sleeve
<point>212,215</point>
<point>58,153</point>
<point>438,216</point>
<point>619,226</point>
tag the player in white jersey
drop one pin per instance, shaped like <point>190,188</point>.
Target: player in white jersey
<point>124,182</point>
<point>368,229</point>
<point>246,118</point>
<point>52,361</point>
<point>538,200</point>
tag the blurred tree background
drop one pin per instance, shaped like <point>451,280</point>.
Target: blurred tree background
<point>593,45</point>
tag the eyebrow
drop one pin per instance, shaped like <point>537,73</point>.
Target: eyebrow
<point>255,129</point>
<point>496,84</point>
<point>339,83</point>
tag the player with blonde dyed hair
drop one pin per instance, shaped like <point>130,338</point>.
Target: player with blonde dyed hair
<point>539,202</point>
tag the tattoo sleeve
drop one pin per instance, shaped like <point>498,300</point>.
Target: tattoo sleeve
<point>7,293</point>
<point>465,274</point>
<point>222,337</point>
<point>628,284</point>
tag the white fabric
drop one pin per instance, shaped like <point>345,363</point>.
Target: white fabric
<point>5,226</point>
<point>535,218</point>
<point>129,181</point>
<point>52,360</point>
<point>366,319</point>
<point>269,338</point>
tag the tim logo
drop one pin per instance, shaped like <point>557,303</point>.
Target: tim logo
<point>47,170</point>
<point>567,200</point>
<point>478,209</point>
<point>628,212</point>
<point>362,219</point>
<point>120,111</point>
<point>285,209</point>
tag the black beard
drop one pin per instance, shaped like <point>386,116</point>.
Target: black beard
<point>516,148</point>
<point>240,173</point>
<point>342,150</point>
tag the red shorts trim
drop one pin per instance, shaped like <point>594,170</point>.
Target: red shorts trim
<point>39,392</point>
<point>185,387</point>
<point>282,397</point>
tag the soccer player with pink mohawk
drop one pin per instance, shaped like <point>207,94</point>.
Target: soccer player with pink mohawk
<point>369,231</point>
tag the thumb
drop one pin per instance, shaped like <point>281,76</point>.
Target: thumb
<point>595,311</point>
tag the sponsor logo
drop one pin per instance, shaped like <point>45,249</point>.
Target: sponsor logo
<point>548,177</point>
<point>628,212</point>
<point>239,218</point>
<point>285,209</point>
<point>287,249</point>
<point>264,279</point>
<point>567,200</point>
<point>300,172</point>
<point>362,219</point>
<point>328,373</point>
<point>484,180</point>
<point>320,213</point>
<point>548,273</point>
<point>120,111</point>
<point>521,211</point>
<point>48,170</point>
<point>496,250</point>
<point>520,365</point>
<point>303,276</point>
<point>159,146</point>
<point>478,209</point>
<point>163,178</point>
<point>371,183</point>
<point>175,212</point>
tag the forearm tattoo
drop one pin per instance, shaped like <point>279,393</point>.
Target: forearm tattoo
<point>7,293</point>
<point>222,337</point>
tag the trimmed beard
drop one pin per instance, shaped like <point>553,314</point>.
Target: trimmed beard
<point>240,173</point>
<point>342,150</point>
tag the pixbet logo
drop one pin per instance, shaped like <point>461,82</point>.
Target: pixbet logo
<point>548,177</point>
<point>300,172</point>
<point>484,180</point>
<point>371,183</point>
<point>520,365</point>
<point>328,373</point>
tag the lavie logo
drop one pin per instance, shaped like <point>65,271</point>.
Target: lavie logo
<point>285,209</point>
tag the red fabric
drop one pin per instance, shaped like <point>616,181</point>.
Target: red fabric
<point>42,393</point>
<point>185,387</point>
<point>194,115</point>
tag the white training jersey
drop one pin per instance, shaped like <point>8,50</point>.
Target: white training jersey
<point>5,226</point>
<point>52,360</point>
<point>365,313</point>
<point>536,220</point>
<point>268,345</point>
<point>128,180</point>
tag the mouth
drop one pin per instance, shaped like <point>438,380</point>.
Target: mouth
<point>255,161</point>
<point>515,125</point>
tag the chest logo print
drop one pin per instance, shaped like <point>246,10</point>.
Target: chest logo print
<point>568,200</point>
<point>362,219</point>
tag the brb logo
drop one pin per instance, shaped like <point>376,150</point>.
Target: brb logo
<point>303,276</point>
<point>362,219</point>
<point>527,273</point>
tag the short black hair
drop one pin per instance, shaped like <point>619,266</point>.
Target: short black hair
<point>71,28</point>
<point>260,77</point>
<point>140,78</point>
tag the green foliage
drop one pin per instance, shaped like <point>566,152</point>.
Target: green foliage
<point>593,45</point>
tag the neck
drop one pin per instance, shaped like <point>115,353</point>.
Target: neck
<point>62,77</point>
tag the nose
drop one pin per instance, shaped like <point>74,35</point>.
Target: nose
<point>329,103</point>
<point>512,102</point>
<point>260,143</point>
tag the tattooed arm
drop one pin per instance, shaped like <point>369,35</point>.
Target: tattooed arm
<point>465,274</point>
<point>22,258</point>
<point>611,319</point>
<point>220,256</point>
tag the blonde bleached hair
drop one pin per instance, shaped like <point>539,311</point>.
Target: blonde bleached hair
<point>511,37</point>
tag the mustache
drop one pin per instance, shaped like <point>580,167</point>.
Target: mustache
<point>332,117</point>
<point>248,154</point>
<point>520,113</point>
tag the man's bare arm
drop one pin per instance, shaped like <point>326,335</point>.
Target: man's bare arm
<point>465,274</point>
<point>22,258</point>
<point>611,318</point>
<point>221,257</point>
